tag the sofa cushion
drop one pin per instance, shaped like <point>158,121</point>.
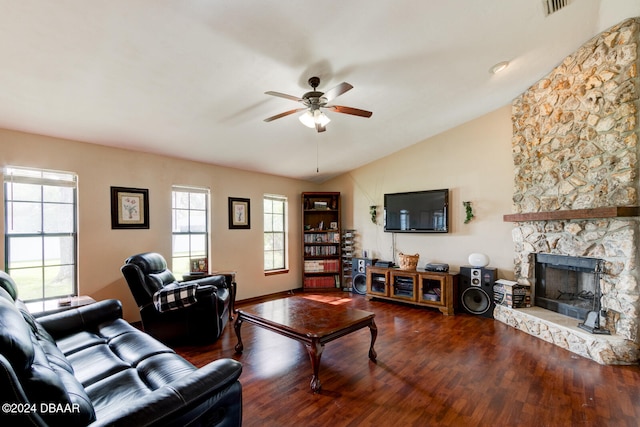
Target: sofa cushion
<point>45,341</point>
<point>50,384</point>
<point>116,392</point>
<point>84,339</point>
<point>8,285</point>
<point>84,364</point>
<point>133,347</point>
<point>15,343</point>
<point>156,281</point>
<point>79,341</point>
<point>154,268</point>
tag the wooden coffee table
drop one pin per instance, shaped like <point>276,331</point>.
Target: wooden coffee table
<point>311,322</point>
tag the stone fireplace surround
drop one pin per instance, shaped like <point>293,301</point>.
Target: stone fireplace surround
<point>575,152</point>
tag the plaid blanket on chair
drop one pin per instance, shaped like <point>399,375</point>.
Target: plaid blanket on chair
<point>175,296</point>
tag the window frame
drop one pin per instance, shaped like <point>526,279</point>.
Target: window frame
<point>42,178</point>
<point>285,249</point>
<point>206,233</point>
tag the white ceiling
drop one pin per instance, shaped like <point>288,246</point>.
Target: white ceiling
<point>186,78</point>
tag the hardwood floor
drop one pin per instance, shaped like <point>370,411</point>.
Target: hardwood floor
<point>431,370</point>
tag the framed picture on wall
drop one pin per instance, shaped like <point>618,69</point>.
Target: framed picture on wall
<point>129,208</point>
<point>239,213</point>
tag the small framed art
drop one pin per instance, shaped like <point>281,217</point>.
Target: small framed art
<point>239,213</point>
<point>129,208</point>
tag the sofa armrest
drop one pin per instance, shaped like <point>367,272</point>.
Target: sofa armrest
<point>212,389</point>
<point>83,318</point>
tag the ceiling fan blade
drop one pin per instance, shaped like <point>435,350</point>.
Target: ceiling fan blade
<point>337,91</point>
<point>284,95</point>
<point>349,110</point>
<point>286,113</point>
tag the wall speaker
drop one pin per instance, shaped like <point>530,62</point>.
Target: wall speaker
<point>359,274</point>
<point>475,290</point>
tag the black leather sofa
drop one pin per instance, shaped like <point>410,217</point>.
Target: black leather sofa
<point>200,323</point>
<point>87,366</point>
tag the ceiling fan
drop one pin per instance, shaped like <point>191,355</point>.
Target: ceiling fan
<point>314,101</point>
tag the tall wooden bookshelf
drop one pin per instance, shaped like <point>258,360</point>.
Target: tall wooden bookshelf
<point>321,241</point>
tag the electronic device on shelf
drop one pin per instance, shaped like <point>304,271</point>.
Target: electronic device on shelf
<point>381,263</point>
<point>440,268</point>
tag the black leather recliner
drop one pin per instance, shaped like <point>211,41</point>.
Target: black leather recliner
<point>200,323</point>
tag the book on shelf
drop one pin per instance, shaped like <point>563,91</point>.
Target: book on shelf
<point>332,281</point>
<point>322,266</point>
<point>329,237</point>
<point>320,250</point>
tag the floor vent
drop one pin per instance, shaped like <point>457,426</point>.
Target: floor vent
<point>552,6</point>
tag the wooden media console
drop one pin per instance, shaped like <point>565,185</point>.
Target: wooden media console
<point>418,287</point>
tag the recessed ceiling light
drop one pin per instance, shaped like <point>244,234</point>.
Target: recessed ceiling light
<point>500,66</point>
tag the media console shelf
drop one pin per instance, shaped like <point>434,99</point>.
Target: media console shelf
<point>418,287</point>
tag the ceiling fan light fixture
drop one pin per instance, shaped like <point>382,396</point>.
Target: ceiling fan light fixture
<point>321,118</point>
<point>307,119</point>
<point>310,119</point>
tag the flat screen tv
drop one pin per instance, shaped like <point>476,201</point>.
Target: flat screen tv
<point>417,212</point>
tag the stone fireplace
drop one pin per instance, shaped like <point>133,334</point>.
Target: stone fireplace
<point>575,152</point>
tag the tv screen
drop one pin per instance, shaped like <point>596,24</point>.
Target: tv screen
<point>417,212</point>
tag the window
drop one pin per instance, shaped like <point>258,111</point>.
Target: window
<point>275,223</point>
<point>190,230</point>
<point>41,232</point>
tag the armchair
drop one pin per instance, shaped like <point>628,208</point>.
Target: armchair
<point>200,323</point>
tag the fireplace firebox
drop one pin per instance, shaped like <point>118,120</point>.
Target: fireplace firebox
<point>568,285</point>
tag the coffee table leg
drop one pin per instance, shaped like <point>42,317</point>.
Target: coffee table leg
<point>374,334</point>
<point>315,352</point>
<point>236,327</point>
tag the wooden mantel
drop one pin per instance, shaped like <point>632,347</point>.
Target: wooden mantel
<point>611,212</point>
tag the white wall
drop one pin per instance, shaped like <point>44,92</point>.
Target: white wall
<point>474,162</point>
<point>103,250</point>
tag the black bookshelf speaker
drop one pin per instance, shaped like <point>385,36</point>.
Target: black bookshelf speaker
<point>359,274</point>
<point>475,291</point>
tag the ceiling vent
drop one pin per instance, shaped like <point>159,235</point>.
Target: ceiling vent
<point>552,6</point>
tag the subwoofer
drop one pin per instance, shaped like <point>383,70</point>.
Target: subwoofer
<point>475,290</point>
<point>359,274</point>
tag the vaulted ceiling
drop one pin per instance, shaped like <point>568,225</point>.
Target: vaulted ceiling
<point>186,78</point>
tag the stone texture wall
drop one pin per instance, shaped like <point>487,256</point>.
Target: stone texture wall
<point>575,146</point>
<point>575,131</point>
